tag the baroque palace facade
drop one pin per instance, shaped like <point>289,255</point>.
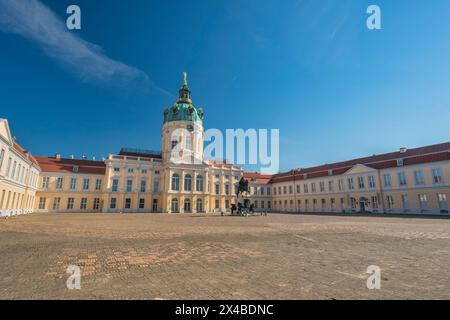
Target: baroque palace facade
<point>406,181</point>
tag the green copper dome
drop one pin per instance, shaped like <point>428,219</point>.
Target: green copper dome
<point>183,110</point>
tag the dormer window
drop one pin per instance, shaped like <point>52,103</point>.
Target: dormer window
<point>330,172</point>
<point>305,176</point>
<point>75,168</point>
<point>399,162</point>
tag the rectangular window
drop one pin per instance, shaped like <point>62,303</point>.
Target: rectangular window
<point>217,188</point>
<point>144,171</point>
<point>390,202</point>
<point>155,186</point>
<point>59,183</point>
<point>350,183</point>
<point>405,203</point>
<point>129,185</point>
<point>143,185</point>
<point>115,185</point>
<point>305,188</point>
<point>96,203</point>
<point>268,191</point>
<point>113,203</point>
<point>330,186</point>
<point>2,155</point>
<point>361,183</point>
<point>83,204</point>
<point>130,170</point>
<point>402,179</point>
<point>387,180</point>
<point>372,182</point>
<point>322,186</point>
<point>155,205</point>
<point>437,175</point>
<point>116,169</point>
<point>227,189</point>
<point>141,203</point>
<point>45,181</point>
<point>275,191</point>
<point>98,184</point>
<point>375,202</point>
<point>9,166</point>
<point>73,183</point>
<point>313,187</point>
<point>341,184</point>
<point>290,190</point>
<point>70,202</point>
<point>442,201</point>
<point>127,203</point>
<point>56,203</point>
<point>42,201</point>
<point>188,142</point>
<point>297,188</point>
<point>85,184</point>
<point>423,201</point>
<point>13,170</point>
<point>418,177</point>
<point>217,204</point>
<point>284,190</point>
<point>353,203</point>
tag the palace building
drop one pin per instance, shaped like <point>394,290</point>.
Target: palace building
<point>406,181</point>
<point>179,179</point>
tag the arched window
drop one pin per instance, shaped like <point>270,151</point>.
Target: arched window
<point>174,207</point>
<point>199,206</point>
<point>187,205</point>
<point>175,182</point>
<point>187,182</point>
<point>199,183</point>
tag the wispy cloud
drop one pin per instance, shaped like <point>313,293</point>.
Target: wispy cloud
<point>35,21</point>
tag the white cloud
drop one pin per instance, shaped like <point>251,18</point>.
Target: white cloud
<point>35,21</point>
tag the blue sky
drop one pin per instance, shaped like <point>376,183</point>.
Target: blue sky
<point>311,68</point>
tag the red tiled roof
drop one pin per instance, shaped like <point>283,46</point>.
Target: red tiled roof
<point>257,177</point>
<point>25,153</point>
<point>51,164</point>
<point>433,153</point>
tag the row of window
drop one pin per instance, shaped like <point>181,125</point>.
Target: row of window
<point>129,185</point>
<point>131,170</point>
<point>128,204</point>
<point>13,200</point>
<point>16,170</point>
<point>360,182</point>
<point>70,205</point>
<point>419,179</point>
<point>59,185</point>
<point>362,204</point>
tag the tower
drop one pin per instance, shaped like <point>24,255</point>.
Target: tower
<point>182,131</point>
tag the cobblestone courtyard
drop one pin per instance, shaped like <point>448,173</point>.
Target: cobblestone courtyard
<point>143,256</point>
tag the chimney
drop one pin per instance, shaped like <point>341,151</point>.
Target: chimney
<point>403,149</point>
<point>72,156</point>
<point>57,155</point>
<point>84,157</point>
<point>93,158</point>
